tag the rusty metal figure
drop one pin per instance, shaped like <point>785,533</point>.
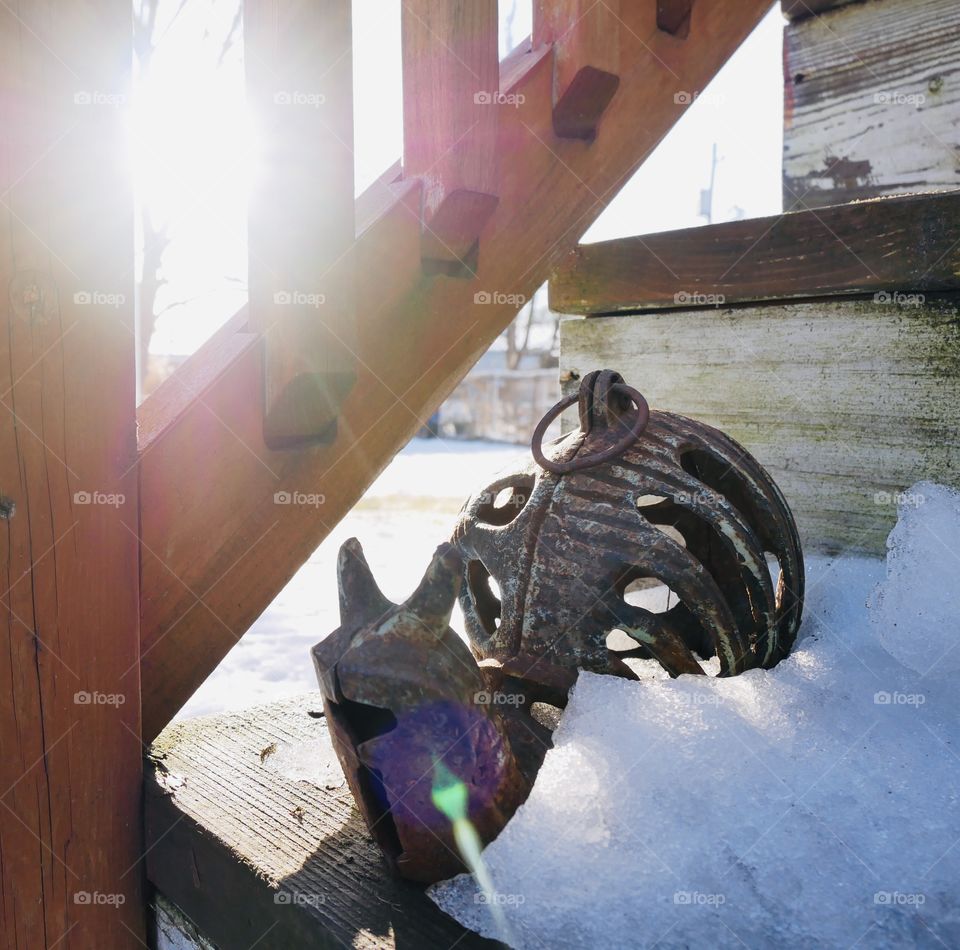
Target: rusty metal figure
<point>549,556</point>
<point>409,709</point>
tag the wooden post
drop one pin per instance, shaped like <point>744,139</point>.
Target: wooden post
<point>70,750</point>
<point>299,68</point>
<point>451,86</point>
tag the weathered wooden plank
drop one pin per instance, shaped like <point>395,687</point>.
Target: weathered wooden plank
<point>214,560</point>
<point>796,9</point>
<point>586,72</point>
<point>253,833</point>
<point>70,755</point>
<point>846,402</point>
<point>451,90</point>
<point>887,244</point>
<point>299,71</point>
<point>872,102</point>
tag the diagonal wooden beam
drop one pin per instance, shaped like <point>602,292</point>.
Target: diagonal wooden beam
<point>217,547</point>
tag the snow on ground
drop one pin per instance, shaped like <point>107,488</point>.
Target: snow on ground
<point>406,513</point>
<point>814,805</point>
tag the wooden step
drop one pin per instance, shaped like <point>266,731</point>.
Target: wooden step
<point>252,832</point>
<point>884,245</point>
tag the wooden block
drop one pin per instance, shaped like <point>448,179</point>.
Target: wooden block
<point>673,16</point>
<point>872,102</point>
<point>301,228</point>
<point>888,244</point>
<point>214,560</point>
<point>451,96</point>
<point>70,765</point>
<point>845,402</point>
<point>586,41</point>
<point>252,832</point>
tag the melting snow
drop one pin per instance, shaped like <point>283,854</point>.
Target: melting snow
<point>814,805</point>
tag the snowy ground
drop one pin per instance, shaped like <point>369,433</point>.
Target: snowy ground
<point>408,511</point>
<point>814,805</point>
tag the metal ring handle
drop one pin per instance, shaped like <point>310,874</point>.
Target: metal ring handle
<point>588,461</point>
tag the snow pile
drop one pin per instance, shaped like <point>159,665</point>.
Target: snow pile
<point>814,805</point>
<point>916,609</point>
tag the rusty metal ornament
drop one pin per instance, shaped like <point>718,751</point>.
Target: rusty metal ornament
<point>409,709</point>
<point>554,551</point>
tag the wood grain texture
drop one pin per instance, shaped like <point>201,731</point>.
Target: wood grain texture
<point>872,102</point>
<point>845,402</point>
<point>796,9</point>
<point>299,74</point>
<point>216,547</point>
<point>887,244</point>
<point>451,85</point>
<point>586,67</point>
<point>254,849</point>
<point>70,753</point>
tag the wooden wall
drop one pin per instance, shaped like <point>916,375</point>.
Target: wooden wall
<point>847,402</point>
<point>871,101</point>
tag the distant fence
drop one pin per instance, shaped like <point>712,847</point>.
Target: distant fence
<point>503,405</point>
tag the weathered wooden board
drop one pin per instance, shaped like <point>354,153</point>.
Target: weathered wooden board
<point>846,402</point>
<point>795,9</point>
<point>213,559</point>
<point>252,832</point>
<point>70,753</point>
<point>882,245</point>
<point>872,102</point>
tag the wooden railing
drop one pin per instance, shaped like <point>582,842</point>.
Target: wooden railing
<point>505,166</point>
